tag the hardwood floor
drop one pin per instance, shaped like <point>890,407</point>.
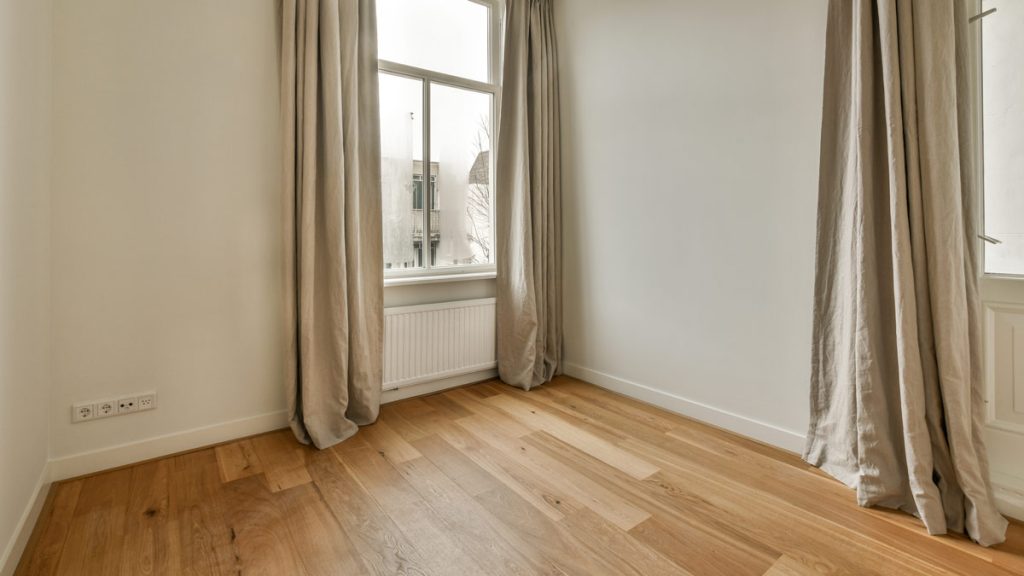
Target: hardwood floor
<point>567,479</point>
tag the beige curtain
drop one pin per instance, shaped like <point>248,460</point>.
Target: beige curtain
<point>896,385</point>
<point>529,200</point>
<point>332,217</point>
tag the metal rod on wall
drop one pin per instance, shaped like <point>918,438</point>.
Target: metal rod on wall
<point>977,17</point>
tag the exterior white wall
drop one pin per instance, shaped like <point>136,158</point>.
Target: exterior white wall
<point>166,216</point>
<point>691,142</point>
<point>25,91</point>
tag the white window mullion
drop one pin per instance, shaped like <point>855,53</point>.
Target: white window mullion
<point>427,244</point>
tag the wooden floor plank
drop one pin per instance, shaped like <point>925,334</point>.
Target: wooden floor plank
<point>567,479</point>
<point>283,460</point>
<point>629,554</point>
<point>261,539</point>
<point>95,535</point>
<point>318,539</point>
<point>44,551</point>
<point>387,442</point>
<point>238,460</point>
<point>147,535</point>
<point>384,549</point>
<point>465,518</point>
<point>504,470</point>
<point>202,540</point>
<point>698,550</point>
<point>409,512</point>
<point>539,419</point>
<point>504,423</point>
<point>813,500</point>
<point>651,495</point>
<point>563,478</point>
<point>787,566</point>
<point>461,469</point>
<point>712,499</point>
<point>556,550</point>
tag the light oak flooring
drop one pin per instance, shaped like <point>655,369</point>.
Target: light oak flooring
<point>567,479</point>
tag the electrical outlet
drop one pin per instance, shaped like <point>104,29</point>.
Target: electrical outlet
<point>106,408</point>
<point>113,407</point>
<point>83,412</point>
<point>147,401</point>
<point>127,404</point>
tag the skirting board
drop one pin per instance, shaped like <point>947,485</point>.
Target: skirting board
<point>23,530</point>
<point>762,431</point>
<point>106,458</point>
<point>149,448</point>
<point>1008,490</point>
<point>1009,494</point>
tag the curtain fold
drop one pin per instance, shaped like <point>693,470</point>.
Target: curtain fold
<point>334,289</point>
<point>529,199</point>
<point>896,399</point>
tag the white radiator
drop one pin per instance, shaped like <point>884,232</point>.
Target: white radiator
<point>435,341</point>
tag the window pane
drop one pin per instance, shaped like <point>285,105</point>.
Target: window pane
<point>401,144</point>
<point>448,36</point>
<point>460,146</point>
<point>1003,52</point>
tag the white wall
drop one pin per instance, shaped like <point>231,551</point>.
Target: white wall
<point>691,141</point>
<point>25,34</point>
<point>436,292</point>
<point>166,200</point>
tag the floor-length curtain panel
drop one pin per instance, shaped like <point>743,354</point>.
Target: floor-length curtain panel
<point>332,217</point>
<point>529,199</point>
<point>896,402</point>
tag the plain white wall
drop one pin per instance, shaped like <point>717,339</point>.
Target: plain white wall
<point>25,91</point>
<point>166,202</point>
<point>167,238</point>
<point>430,293</point>
<point>691,142</point>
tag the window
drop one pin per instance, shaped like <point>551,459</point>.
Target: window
<point>1003,125</point>
<point>438,91</point>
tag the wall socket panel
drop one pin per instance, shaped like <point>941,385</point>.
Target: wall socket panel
<point>86,411</point>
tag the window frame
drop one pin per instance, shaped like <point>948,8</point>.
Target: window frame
<point>976,66</point>
<point>427,78</point>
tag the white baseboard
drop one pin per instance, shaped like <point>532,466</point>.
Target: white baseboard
<point>1009,494</point>
<point>149,448</point>
<point>23,530</point>
<point>424,388</point>
<point>749,427</point>
<point>106,458</point>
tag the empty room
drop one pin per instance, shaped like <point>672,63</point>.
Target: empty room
<point>511,287</point>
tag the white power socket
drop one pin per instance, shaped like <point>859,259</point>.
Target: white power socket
<point>127,404</point>
<point>147,401</point>
<point>85,411</point>
<point>106,408</point>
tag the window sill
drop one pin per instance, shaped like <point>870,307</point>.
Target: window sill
<point>439,278</point>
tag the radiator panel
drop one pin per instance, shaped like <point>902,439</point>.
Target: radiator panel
<point>434,341</point>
